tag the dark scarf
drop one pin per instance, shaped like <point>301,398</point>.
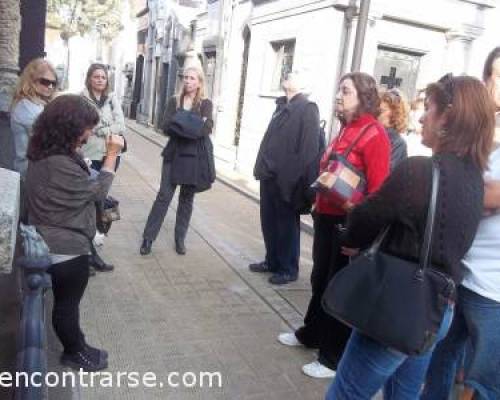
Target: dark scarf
<point>99,103</point>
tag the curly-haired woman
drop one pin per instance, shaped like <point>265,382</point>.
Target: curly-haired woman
<point>35,88</point>
<point>61,205</point>
<point>394,116</point>
<point>357,106</point>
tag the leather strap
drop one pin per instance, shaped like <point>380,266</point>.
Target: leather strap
<point>355,141</point>
<point>425,252</point>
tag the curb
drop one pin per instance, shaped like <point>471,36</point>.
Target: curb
<point>304,226</point>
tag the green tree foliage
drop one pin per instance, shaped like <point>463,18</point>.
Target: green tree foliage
<point>78,17</point>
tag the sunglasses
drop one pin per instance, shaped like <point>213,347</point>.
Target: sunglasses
<point>47,82</point>
<point>393,95</point>
<point>449,87</point>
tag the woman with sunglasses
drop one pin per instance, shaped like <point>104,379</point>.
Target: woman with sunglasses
<point>458,125</point>
<point>35,88</point>
<point>394,117</point>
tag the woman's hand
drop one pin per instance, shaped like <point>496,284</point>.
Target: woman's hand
<point>114,144</point>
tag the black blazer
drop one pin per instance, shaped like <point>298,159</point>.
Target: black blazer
<point>290,147</point>
<point>192,161</point>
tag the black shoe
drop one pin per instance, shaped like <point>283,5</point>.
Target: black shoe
<point>99,265</point>
<point>84,360</point>
<point>96,354</point>
<point>180,248</point>
<point>260,267</point>
<point>282,279</point>
<point>146,247</point>
<point>92,271</point>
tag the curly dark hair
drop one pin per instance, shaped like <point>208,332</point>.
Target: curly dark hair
<point>58,128</point>
<point>366,86</point>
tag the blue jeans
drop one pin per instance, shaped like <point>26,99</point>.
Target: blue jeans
<point>367,366</point>
<point>477,319</point>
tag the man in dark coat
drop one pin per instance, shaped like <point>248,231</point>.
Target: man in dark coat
<point>288,152</point>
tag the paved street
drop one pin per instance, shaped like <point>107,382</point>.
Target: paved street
<point>200,312</point>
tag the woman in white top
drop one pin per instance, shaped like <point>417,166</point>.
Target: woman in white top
<point>477,316</point>
<point>111,119</point>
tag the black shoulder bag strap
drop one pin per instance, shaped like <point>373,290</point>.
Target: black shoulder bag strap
<point>425,251</point>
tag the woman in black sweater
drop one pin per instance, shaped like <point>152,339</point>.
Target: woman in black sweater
<point>458,125</point>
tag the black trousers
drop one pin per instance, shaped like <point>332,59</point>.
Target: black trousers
<point>69,280</point>
<point>162,202</point>
<point>281,230</point>
<point>321,330</point>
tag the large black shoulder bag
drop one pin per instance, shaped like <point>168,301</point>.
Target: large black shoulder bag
<point>397,302</point>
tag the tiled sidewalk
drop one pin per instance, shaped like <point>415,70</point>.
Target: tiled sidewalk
<point>200,312</point>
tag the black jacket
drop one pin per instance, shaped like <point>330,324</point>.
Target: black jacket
<point>192,161</point>
<point>399,151</point>
<point>289,150</point>
<point>403,202</point>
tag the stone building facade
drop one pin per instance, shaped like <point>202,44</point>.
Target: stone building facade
<point>407,45</point>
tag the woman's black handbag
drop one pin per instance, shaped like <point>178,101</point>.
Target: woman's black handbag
<point>397,302</point>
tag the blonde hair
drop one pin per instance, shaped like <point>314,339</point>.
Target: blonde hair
<point>25,88</point>
<point>200,93</point>
<point>398,107</point>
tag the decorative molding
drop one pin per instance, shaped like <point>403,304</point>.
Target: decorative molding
<point>465,33</point>
<point>482,3</point>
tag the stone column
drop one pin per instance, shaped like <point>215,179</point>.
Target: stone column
<point>9,214</point>
<point>10,26</point>
<point>460,41</point>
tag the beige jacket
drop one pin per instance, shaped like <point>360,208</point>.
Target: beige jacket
<point>111,122</point>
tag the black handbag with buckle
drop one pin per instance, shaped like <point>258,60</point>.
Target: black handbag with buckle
<point>397,302</point>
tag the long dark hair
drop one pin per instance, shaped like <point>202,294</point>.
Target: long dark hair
<point>58,128</point>
<point>470,117</point>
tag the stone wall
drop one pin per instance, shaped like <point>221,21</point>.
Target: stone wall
<point>10,26</point>
<point>9,215</point>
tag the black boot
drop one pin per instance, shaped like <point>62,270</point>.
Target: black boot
<point>84,360</point>
<point>146,247</point>
<point>99,265</point>
<point>180,248</point>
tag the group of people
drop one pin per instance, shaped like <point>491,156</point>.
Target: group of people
<point>67,150</point>
<point>458,125</point>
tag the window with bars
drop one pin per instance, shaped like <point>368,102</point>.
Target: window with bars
<point>284,52</point>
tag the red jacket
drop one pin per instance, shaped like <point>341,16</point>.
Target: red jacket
<point>371,155</point>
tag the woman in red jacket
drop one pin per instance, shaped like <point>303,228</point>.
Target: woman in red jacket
<point>357,106</point>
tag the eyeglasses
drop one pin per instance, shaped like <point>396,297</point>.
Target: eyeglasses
<point>47,83</point>
<point>449,87</point>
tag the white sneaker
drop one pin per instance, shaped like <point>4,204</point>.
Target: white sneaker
<point>318,370</point>
<point>99,239</point>
<point>289,339</point>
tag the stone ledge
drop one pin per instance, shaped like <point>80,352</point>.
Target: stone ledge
<point>9,215</point>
